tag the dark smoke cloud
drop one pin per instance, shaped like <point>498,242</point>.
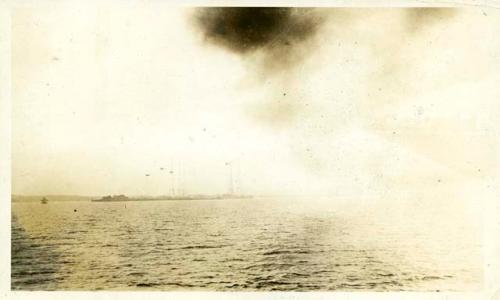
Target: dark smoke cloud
<point>277,39</point>
<point>278,32</point>
<point>284,35</point>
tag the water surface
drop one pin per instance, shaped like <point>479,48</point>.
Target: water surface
<point>246,244</point>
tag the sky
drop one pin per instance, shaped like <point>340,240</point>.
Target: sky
<point>363,103</point>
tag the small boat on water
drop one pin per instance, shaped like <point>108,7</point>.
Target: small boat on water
<point>44,200</point>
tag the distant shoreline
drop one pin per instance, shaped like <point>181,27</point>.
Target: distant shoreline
<point>180,198</point>
<point>173,199</point>
<point>63,198</point>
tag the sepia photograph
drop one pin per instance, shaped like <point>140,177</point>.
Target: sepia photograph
<point>160,146</point>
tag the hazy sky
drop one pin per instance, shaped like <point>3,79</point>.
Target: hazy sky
<point>376,102</point>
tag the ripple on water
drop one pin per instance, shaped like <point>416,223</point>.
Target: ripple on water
<point>155,246</point>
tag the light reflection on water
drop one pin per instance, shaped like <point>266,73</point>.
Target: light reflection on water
<point>250,244</point>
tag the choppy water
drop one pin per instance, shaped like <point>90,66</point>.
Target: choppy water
<point>238,245</point>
